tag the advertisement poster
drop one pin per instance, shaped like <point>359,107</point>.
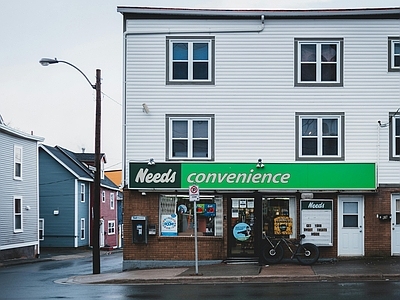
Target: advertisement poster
<point>169,225</point>
<point>316,221</point>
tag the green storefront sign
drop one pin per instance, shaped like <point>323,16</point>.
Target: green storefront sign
<point>231,176</point>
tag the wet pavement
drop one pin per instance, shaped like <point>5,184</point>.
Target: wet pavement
<point>349,269</point>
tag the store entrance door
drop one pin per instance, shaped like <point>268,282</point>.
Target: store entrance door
<point>242,227</point>
<point>395,225</point>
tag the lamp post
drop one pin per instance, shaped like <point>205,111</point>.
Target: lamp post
<point>96,199</point>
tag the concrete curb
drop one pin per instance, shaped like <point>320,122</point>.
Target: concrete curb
<point>232,279</point>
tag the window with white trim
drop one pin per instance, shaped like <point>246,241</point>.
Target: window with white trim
<point>112,202</point>
<point>190,137</point>
<point>320,136</point>
<point>394,137</point>
<point>82,192</point>
<point>18,221</point>
<point>103,196</point>
<point>17,162</point>
<point>83,227</point>
<point>111,227</point>
<point>190,60</point>
<point>394,54</point>
<point>319,62</point>
<point>41,229</point>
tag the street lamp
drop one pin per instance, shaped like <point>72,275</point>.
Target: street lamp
<point>96,199</point>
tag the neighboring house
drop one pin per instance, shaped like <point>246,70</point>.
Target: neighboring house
<point>273,115</point>
<point>116,177</point>
<point>19,199</point>
<point>66,189</point>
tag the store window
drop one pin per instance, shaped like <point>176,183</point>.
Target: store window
<point>279,216</point>
<point>176,216</point>
<point>318,62</point>
<point>320,136</point>
<point>190,60</point>
<point>190,137</point>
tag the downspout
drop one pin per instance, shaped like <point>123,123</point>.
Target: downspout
<point>126,34</point>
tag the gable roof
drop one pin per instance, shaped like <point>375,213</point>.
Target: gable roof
<point>14,132</point>
<point>79,170</point>
<point>77,166</point>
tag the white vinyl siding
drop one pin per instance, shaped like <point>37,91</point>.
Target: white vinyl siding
<point>254,99</point>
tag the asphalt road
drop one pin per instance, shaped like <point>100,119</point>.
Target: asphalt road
<point>38,281</point>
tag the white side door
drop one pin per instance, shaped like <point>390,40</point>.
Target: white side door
<point>395,224</point>
<point>351,226</point>
<point>101,237</point>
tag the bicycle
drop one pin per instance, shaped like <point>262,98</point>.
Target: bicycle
<point>306,254</point>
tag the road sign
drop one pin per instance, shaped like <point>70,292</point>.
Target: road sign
<point>194,193</point>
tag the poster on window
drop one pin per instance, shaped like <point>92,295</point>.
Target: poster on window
<point>316,221</point>
<point>169,225</point>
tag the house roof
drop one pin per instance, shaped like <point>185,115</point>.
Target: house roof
<point>390,12</point>
<point>72,161</point>
<point>66,158</point>
<point>11,131</point>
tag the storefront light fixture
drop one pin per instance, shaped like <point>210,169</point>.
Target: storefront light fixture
<point>151,162</point>
<point>260,163</point>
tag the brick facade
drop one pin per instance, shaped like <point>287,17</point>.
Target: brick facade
<point>377,232</point>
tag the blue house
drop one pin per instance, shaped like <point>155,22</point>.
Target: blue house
<point>19,202</point>
<point>64,186</point>
<point>66,199</point>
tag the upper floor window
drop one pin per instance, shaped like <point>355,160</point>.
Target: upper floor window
<point>318,62</point>
<point>320,136</point>
<point>394,54</point>
<point>190,60</point>
<point>394,139</point>
<point>17,162</point>
<point>82,192</point>
<point>112,203</point>
<point>190,137</point>
<point>103,196</point>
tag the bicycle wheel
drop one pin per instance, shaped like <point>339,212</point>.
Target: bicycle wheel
<point>307,254</point>
<point>271,254</point>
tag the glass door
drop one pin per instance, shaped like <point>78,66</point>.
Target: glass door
<point>242,227</point>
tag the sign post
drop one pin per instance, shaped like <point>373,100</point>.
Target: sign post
<point>194,196</point>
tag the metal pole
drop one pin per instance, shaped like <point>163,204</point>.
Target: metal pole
<point>195,239</point>
<point>96,198</point>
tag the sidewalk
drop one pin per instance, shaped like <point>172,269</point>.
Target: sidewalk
<point>362,269</point>
<point>348,270</point>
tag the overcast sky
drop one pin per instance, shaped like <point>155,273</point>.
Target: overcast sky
<point>56,102</point>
